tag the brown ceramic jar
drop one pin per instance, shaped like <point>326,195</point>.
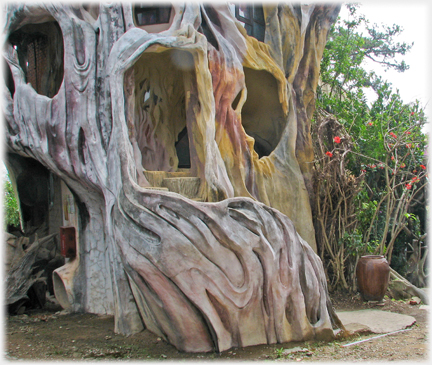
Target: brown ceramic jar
<point>373,273</point>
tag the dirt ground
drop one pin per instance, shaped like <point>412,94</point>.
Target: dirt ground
<point>50,334</point>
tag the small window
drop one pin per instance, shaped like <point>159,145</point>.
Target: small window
<point>252,17</point>
<point>152,14</point>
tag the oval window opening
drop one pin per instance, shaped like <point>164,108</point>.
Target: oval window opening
<point>262,115</point>
<point>40,54</point>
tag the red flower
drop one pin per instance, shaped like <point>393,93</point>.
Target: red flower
<point>373,166</point>
<point>414,171</point>
<point>337,139</point>
<point>423,167</point>
<point>408,186</point>
<point>390,145</point>
<point>412,113</point>
<point>329,154</point>
<point>363,171</point>
<point>402,165</point>
<point>409,145</point>
<point>392,157</point>
<point>370,123</point>
<point>415,178</point>
<point>407,132</point>
<point>393,135</point>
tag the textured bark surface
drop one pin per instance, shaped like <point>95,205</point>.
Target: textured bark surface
<point>27,267</point>
<point>233,265</point>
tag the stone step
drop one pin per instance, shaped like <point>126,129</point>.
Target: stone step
<point>156,188</point>
<point>180,169</point>
<point>155,178</point>
<point>186,186</point>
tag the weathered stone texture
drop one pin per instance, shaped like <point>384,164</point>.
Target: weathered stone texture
<point>197,108</point>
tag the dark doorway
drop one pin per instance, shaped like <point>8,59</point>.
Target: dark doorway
<point>182,149</point>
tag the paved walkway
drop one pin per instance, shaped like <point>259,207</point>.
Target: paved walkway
<point>373,320</point>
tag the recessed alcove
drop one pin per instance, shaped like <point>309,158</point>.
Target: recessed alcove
<point>165,105</point>
<point>262,115</point>
<point>160,91</point>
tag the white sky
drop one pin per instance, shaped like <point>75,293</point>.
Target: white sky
<point>414,17</point>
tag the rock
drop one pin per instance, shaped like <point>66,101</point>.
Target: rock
<point>296,350</point>
<point>62,312</point>
<point>397,290</point>
<point>357,328</point>
<point>415,301</point>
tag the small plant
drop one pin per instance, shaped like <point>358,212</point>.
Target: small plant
<point>279,353</point>
<point>10,204</point>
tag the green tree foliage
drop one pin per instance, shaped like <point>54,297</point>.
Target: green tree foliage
<point>380,145</point>
<point>10,205</point>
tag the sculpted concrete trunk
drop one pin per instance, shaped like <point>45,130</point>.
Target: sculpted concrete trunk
<point>177,130</point>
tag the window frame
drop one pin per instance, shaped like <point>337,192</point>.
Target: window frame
<point>241,18</point>
<point>252,21</point>
<point>148,8</point>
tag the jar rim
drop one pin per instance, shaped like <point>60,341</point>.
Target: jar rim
<point>373,256</point>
